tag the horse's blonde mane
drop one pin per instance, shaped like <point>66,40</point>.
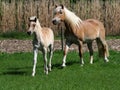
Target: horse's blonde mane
<point>72,18</point>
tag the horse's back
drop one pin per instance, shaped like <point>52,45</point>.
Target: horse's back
<point>93,28</point>
<point>99,25</point>
<point>48,35</point>
<point>95,22</point>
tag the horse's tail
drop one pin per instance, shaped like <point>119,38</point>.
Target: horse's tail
<point>102,49</point>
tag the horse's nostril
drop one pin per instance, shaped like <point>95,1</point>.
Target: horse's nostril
<point>54,22</point>
<point>29,33</point>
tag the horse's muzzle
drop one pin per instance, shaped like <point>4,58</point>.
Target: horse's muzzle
<point>29,32</point>
<point>54,22</point>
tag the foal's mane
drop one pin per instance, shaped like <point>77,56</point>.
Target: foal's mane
<point>71,18</point>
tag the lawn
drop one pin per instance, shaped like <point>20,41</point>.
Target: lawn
<point>16,69</point>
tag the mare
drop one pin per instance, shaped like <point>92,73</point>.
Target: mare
<point>80,32</point>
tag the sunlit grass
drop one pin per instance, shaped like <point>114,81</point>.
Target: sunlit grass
<point>16,69</point>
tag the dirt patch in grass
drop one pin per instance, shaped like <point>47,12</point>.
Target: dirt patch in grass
<point>14,45</point>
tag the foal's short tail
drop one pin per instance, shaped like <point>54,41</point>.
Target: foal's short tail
<point>102,48</point>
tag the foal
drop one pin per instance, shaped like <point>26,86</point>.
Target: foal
<point>43,40</point>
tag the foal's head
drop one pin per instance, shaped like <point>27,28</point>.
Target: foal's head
<point>32,25</point>
<point>59,14</point>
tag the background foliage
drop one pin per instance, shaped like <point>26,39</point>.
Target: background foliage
<point>14,13</point>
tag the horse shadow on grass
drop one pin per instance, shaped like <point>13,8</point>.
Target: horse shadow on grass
<point>59,65</point>
<point>26,71</point>
<point>17,71</point>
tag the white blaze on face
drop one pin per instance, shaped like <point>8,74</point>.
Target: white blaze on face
<point>57,9</point>
<point>56,12</point>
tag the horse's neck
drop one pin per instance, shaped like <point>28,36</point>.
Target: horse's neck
<point>38,31</point>
<point>72,20</point>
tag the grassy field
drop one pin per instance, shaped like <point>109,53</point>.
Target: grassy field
<point>15,35</point>
<point>15,73</point>
<point>24,36</point>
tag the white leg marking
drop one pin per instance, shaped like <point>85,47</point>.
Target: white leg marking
<point>82,62</point>
<point>35,61</point>
<point>51,54</point>
<point>91,59</point>
<point>45,60</point>
<point>65,53</point>
<point>106,59</point>
<point>64,61</point>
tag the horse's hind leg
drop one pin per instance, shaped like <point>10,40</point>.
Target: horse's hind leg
<point>81,53</point>
<point>51,54</point>
<point>106,52</point>
<point>45,60</point>
<point>90,51</point>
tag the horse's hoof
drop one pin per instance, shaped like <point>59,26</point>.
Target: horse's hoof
<point>46,72</point>
<point>63,65</point>
<point>107,61</point>
<point>50,69</point>
<point>33,75</point>
<point>91,62</point>
<point>82,65</point>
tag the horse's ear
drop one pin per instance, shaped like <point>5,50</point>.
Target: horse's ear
<point>28,19</point>
<point>55,6</point>
<point>62,6</point>
<point>35,19</point>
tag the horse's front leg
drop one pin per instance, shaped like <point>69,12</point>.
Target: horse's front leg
<point>90,51</point>
<point>65,54</point>
<point>35,51</point>
<point>45,60</point>
<point>81,53</point>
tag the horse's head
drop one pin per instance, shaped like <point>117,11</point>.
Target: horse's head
<point>59,14</point>
<point>32,25</point>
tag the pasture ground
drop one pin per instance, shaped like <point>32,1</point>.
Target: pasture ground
<point>16,69</point>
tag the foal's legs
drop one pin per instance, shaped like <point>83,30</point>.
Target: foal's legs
<point>81,53</point>
<point>65,54</point>
<point>90,51</point>
<point>51,54</point>
<point>45,60</point>
<point>35,51</point>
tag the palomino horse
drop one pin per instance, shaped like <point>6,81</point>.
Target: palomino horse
<point>43,40</point>
<point>80,32</point>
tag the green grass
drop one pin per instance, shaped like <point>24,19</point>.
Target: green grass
<point>23,36</point>
<point>16,69</point>
<point>14,35</point>
<point>113,37</point>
